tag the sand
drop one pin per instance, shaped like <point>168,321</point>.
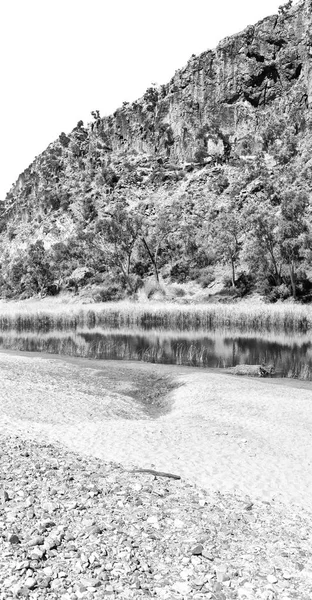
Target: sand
<point>220,432</point>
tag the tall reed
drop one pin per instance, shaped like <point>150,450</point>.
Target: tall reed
<point>243,316</point>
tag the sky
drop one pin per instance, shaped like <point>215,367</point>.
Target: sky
<point>61,59</point>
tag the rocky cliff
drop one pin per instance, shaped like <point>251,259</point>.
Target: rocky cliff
<point>219,95</point>
<point>215,101</point>
<point>248,101</point>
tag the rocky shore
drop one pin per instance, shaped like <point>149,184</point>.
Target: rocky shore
<point>76,527</point>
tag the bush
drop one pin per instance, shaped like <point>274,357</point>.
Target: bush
<point>177,291</point>
<point>200,155</point>
<point>227,281</point>
<point>279,292</point>
<point>180,272</point>
<point>133,284</point>
<point>206,276</point>
<point>108,293</point>
<point>244,283</point>
<point>111,178</point>
<point>304,287</point>
<point>64,200</point>
<point>151,287</point>
<point>141,268</point>
<point>53,201</point>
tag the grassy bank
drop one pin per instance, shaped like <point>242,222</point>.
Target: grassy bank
<point>46,315</point>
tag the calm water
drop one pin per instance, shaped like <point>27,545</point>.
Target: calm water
<point>291,354</point>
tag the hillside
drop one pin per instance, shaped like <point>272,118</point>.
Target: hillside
<point>209,173</point>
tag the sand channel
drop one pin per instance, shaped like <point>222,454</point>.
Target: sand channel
<point>226,433</point>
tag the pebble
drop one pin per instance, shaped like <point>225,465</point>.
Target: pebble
<point>95,583</point>
<point>199,581</point>
<point>35,541</point>
<point>286,575</point>
<point>272,579</point>
<point>207,555</point>
<point>182,588</point>
<point>178,524</point>
<point>4,496</point>
<point>29,501</point>
<point>30,583</point>
<point>14,539</point>
<point>221,572</point>
<point>36,554</point>
<point>44,582</point>
<point>186,573</point>
<point>197,550</point>
<point>153,521</point>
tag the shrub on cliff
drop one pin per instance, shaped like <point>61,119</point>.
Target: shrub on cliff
<point>64,140</point>
<point>200,155</point>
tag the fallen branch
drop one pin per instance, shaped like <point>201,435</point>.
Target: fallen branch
<point>156,473</point>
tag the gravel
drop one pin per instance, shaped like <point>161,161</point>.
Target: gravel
<point>76,527</point>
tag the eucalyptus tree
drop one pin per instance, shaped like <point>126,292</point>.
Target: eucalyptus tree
<point>261,245</point>
<point>293,232</point>
<point>117,232</point>
<point>159,224</point>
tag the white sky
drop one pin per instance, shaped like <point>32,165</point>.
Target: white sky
<point>60,59</point>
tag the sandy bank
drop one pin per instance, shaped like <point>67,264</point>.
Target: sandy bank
<point>223,433</point>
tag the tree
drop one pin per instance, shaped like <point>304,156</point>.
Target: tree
<point>292,231</point>
<point>159,222</point>
<point>38,276</point>
<point>225,236</point>
<point>117,232</point>
<point>262,249</point>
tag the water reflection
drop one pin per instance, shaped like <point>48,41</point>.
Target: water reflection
<point>291,354</point>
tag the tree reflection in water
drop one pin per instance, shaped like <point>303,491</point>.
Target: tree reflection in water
<point>290,354</point>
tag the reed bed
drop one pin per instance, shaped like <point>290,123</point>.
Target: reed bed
<point>242,316</point>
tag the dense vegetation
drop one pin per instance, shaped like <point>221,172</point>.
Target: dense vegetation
<point>87,215</point>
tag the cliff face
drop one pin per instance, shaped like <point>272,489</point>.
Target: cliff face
<point>229,111</point>
<point>210,105</point>
<point>224,89</point>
